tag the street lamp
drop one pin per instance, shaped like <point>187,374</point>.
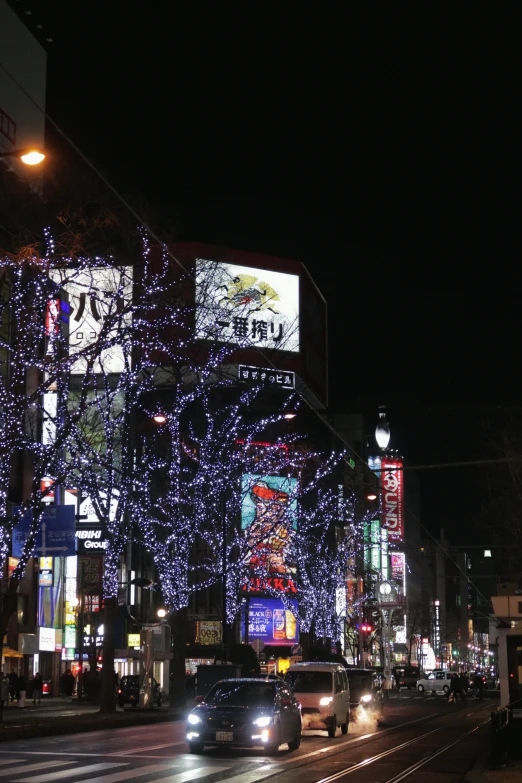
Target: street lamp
<point>30,155</point>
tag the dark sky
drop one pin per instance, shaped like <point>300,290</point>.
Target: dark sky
<point>367,146</point>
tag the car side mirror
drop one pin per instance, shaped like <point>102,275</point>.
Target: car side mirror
<point>199,699</point>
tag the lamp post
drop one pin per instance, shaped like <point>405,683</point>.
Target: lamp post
<point>30,155</point>
<point>388,601</point>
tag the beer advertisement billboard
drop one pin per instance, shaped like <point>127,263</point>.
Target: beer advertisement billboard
<point>271,622</point>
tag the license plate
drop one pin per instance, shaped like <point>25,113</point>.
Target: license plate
<point>224,736</point>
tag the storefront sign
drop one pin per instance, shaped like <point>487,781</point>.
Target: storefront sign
<point>266,376</point>
<point>392,498</point>
<point>208,632</point>
<point>90,540</point>
<point>247,306</point>
<point>46,639</point>
<point>133,640</point>
<point>272,623</point>
<point>45,577</point>
<point>398,568</point>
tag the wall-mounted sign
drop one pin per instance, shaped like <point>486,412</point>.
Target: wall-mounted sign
<point>95,295</point>
<point>266,376</point>
<point>46,639</point>
<point>45,577</point>
<point>269,519</point>
<point>398,567</point>
<point>392,498</point>
<point>208,632</point>
<point>55,535</point>
<point>90,540</point>
<point>133,640</point>
<point>270,622</point>
<point>247,306</point>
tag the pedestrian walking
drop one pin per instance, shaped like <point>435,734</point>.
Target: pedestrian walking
<point>68,684</point>
<point>13,685</point>
<point>455,688</point>
<point>21,691</point>
<point>37,687</point>
<point>4,690</point>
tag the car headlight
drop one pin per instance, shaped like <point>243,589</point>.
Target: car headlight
<point>325,701</point>
<point>264,721</point>
<point>366,698</point>
<point>193,719</point>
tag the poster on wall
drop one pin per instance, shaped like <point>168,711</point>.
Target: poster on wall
<point>269,521</point>
<point>392,498</point>
<point>247,306</point>
<point>270,622</point>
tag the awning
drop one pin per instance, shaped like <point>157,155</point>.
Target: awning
<point>10,653</point>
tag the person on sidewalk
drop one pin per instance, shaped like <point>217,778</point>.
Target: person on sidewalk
<point>21,691</point>
<point>68,684</point>
<point>4,690</point>
<point>37,687</point>
<point>13,685</point>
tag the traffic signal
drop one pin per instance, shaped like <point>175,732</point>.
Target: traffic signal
<point>366,628</point>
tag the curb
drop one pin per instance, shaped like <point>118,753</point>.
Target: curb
<point>48,726</point>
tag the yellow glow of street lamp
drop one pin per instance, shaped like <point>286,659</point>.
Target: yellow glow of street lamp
<point>161,612</point>
<point>371,496</point>
<point>32,157</point>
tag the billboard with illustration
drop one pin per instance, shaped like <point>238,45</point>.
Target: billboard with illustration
<point>272,623</point>
<point>269,519</point>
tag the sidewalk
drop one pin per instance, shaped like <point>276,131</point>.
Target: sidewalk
<point>59,716</point>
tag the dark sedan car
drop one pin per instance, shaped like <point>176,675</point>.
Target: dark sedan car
<point>247,713</point>
<point>128,691</point>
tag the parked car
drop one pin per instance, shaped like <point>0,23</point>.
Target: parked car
<point>324,693</point>
<point>406,676</point>
<point>437,681</point>
<point>365,691</point>
<point>128,691</point>
<point>246,713</point>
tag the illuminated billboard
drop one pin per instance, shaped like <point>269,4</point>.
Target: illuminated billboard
<point>269,519</point>
<point>247,306</point>
<point>392,498</point>
<point>270,622</point>
<point>95,295</point>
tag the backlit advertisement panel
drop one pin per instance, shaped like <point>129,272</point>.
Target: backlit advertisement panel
<point>269,519</point>
<point>270,622</point>
<point>398,567</point>
<point>392,498</point>
<point>94,296</point>
<point>247,306</point>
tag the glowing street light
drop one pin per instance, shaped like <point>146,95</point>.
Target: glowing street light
<point>159,418</point>
<point>29,156</point>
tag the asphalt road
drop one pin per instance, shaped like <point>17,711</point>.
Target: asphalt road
<point>416,730</point>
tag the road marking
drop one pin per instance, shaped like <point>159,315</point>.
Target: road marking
<point>67,773</point>
<point>32,768</point>
<point>149,747</point>
<point>131,773</point>
<point>253,777</point>
<point>193,774</point>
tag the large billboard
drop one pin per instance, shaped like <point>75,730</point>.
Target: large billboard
<point>392,498</point>
<point>95,295</point>
<point>272,623</point>
<point>247,306</point>
<point>269,519</point>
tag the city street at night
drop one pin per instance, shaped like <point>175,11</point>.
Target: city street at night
<point>421,737</point>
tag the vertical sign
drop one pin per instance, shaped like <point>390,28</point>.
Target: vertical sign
<point>392,498</point>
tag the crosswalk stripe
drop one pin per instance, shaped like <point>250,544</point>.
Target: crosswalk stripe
<point>135,773</point>
<point>65,773</point>
<point>32,768</point>
<point>254,776</point>
<point>193,774</point>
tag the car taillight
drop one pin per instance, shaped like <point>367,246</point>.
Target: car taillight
<point>119,690</point>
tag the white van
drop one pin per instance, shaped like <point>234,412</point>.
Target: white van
<point>324,693</point>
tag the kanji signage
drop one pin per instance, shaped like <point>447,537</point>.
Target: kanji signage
<point>247,306</point>
<point>392,498</point>
<point>271,622</point>
<point>55,534</point>
<point>208,632</point>
<point>265,376</point>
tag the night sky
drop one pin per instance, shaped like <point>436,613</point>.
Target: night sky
<point>366,146</point>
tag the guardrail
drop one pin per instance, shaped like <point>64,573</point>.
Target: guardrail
<point>506,734</point>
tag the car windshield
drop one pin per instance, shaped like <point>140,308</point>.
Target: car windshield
<point>310,682</point>
<point>360,680</point>
<point>242,694</point>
